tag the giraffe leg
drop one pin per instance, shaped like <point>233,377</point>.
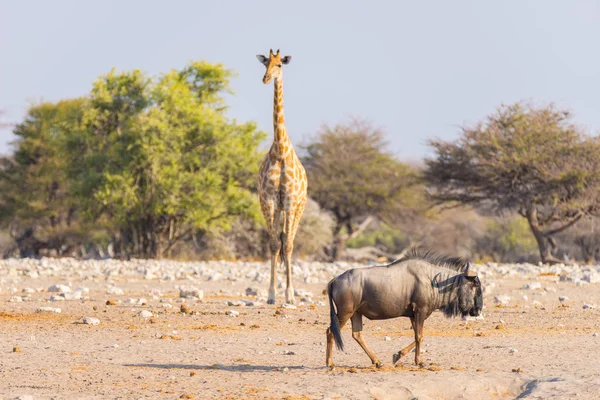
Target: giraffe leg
<point>288,248</point>
<point>292,222</point>
<point>273,222</point>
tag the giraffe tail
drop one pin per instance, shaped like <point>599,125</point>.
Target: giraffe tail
<point>283,239</point>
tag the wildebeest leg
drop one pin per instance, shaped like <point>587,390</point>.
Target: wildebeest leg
<point>328,357</point>
<point>418,328</point>
<point>357,334</point>
<point>407,349</point>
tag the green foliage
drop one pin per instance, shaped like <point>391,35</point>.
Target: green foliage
<point>393,239</point>
<point>507,239</point>
<point>161,160</point>
<point>34,195</point>
<point>147,161</point>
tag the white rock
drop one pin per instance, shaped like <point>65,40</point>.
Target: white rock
<point>114,291</point>
<point>513,351</point>
<point>387,338</point>
<point>191,292</point>
<point>232,313</point>
<point>49,309</point>
<point>59,288</point>
<point>302,293</point>
<point>16,299</point>
<point>533,286</point>
<point>562,298</point>
<point>91,321</point>
<point>235,303</point>
<point>142,301</point>
<point>72,296</point>
<point>290,306</point>
<point>502,299</point>
<point>56,298</point>
<point>28,290</point>
<point>145,314</point>
<point>166,305</point>
<point>216,277</point>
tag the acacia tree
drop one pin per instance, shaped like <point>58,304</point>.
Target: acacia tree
<point>531,160</point>
<point>351,174</point>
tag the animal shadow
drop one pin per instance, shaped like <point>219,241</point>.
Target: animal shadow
<point>220,367</point>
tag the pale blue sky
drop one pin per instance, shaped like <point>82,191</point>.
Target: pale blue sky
<point>416,68</point>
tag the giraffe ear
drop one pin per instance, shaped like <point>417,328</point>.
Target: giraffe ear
<point>286,59</point>
<point>262,59</point>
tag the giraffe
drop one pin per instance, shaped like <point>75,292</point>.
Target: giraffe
<point>282,184</point>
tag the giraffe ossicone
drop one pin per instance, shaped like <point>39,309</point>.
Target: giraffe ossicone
<point>282,184</point>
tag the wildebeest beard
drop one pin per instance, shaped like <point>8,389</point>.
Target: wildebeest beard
<point>460,304</point>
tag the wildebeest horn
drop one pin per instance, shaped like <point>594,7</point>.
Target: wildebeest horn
<point>469,272</point>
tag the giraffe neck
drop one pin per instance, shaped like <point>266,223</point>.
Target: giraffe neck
<point>281,139</point>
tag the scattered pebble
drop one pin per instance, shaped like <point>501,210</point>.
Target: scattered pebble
<point>387,338</point>
<point>232,313</point>
<point>91,321</point>
<point>513,351</point>
<point>16,349</point>
<point>290,306</point>
<point>502,300</point>
<point>59,288</point>
<point>589,306</point>
<point>145,314</point>
<point>111,303</point>
<point>49,309</point>
<point>192,293</point>
<point>533,286</point>
<point>562,299</point>
<point>57,298</point>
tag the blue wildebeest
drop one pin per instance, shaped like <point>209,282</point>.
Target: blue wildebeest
<point>413,286</point>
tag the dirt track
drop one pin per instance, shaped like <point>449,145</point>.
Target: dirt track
<point>263,353</point>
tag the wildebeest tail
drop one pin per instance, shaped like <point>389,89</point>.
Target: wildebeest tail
<point>335,322</point>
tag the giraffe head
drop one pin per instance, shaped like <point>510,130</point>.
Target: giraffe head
<point>274,64</point>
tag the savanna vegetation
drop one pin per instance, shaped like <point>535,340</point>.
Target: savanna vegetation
<point>152,167</point>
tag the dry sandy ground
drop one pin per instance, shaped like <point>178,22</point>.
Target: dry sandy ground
<point>523,350</point>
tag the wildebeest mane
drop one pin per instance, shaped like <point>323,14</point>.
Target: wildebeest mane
<point>415,253</point>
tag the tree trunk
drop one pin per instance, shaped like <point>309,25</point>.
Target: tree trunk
<point>540,237</point>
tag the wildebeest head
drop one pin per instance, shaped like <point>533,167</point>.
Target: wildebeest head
<point>469,296</point>
<point>474,292</point>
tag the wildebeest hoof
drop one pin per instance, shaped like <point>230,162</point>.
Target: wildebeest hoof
<point>396,357</point>
<point>271,301</point>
